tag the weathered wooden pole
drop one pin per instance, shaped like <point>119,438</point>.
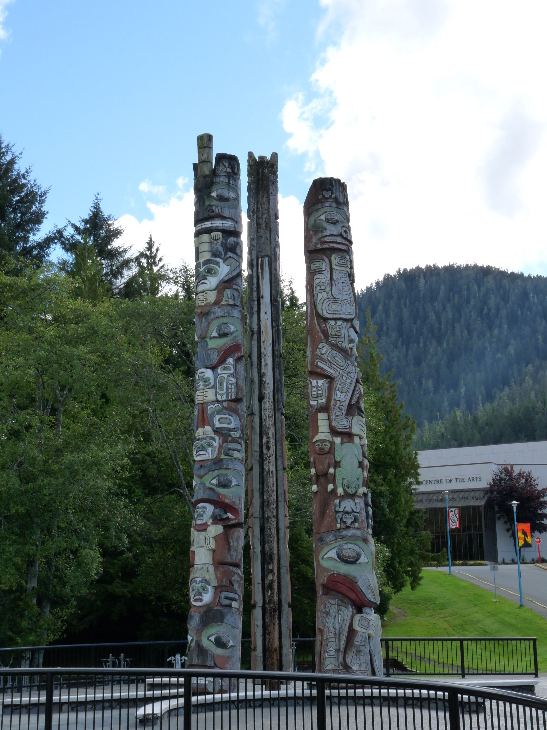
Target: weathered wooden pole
<point>216,578</point>
<point>268,514</point>
<point>348,630</point>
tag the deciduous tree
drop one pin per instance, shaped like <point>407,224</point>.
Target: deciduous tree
<point>508,485</point>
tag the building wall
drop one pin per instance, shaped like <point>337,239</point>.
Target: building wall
<point>467,471</point>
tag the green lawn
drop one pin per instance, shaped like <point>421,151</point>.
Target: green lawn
<point>444,605</point>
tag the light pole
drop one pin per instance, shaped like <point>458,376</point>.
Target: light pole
<point>517,547</point>
<point>448,534</point>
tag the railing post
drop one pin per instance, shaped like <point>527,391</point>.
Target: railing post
<point>387,657</point>
<point>462,659</point>
<point>535,645</point>
<point>48,718</point>
<point>453,710</point>
<point>188,701</point>
<point>321,705</point>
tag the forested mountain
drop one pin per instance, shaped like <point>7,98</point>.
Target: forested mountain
<point>517,414</point>
<point>457,336</point>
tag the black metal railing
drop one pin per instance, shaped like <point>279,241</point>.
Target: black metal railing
<point>106,699</point>
<point>460,657</point>
<point>402,656</point>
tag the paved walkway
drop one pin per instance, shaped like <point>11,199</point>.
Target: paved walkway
<point>534,582</point>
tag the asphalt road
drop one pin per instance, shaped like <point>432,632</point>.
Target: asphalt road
<point>534,582</point>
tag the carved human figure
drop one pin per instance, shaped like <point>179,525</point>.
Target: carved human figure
<point>348,630</point>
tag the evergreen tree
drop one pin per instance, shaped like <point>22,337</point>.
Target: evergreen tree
<point>394,470</point>
<point>101,231</point>
<point>151,274</point>
<point>22,210</point>
<point>517,414</point>
<point>88,271</point>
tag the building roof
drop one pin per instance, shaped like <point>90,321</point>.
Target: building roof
<point>526,454</point>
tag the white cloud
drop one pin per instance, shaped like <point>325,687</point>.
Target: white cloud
<point>267,12</point>
<point>159,191</point>
<point>4,34</point>
<point>171,225</point>
<point>434,113</point>
<point>291,243</point>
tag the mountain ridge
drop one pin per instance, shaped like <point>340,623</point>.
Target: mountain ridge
<point>457,336</point>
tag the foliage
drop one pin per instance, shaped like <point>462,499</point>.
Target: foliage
<point>63,453</point>
<point>22,210</point>
<point>99,230</point>
<point>456,336</point>
<point>517,414</point>
<point>143,590</point>
<point>394,469</point>
<point>522,486</point>
<point>151,274</point>
<point>87,270</point>
<point>445,605</point>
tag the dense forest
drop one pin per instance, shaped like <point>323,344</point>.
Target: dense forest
<point>518,413</point>
<point>456,337</point>
<point>96,425</point>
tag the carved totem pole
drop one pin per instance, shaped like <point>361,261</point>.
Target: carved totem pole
<point>216,558</point>
<point>268,513</point>
<point>348,630</point>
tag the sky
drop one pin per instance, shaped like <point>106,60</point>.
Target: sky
<point>432,111</point>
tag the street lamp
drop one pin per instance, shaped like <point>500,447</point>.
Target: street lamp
<point>517,547</point>
<point>448,533</point>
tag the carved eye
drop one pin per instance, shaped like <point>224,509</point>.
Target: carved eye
<point>223,195</point>
<point>221,641</point>
<point>210,270</point>
<point>348,553</point>
<point>224,481</point>
<point>224,329</point>
<point>332,217</point>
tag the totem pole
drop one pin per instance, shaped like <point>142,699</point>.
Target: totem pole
<point>216,557</point>
<point>348,630</point>
<point>268,513</point>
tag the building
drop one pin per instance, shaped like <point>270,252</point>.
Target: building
<point>465,473</point>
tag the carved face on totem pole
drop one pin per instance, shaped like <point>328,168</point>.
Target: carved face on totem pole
<point>347,590</point>
<point>216,578</point>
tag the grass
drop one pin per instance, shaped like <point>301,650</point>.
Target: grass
<point>444,605</point>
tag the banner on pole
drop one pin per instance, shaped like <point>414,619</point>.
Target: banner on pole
<point>524,534</point>
<point>454,517</point>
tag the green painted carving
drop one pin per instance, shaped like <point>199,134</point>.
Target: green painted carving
<point>349,475</point>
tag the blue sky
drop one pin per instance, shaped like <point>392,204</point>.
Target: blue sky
<point>433,112</point>
<point>104,95</point>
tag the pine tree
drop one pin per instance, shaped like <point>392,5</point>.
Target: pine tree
<point>103,233</point>
<point>88,270</point>
<point>151,273</point>
<point>22,211</point>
